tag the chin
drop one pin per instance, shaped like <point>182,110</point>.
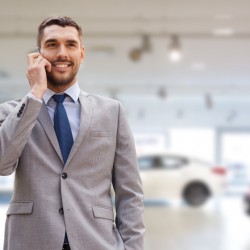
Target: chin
<point>60,81</point>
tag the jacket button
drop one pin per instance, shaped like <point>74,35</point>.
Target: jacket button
<point>61,211</point>
<point>64,175</point>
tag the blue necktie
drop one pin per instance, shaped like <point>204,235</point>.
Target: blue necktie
<point>63,132</point>
<point>62,127</point>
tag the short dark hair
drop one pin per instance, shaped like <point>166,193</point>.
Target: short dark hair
<point>62,21</point>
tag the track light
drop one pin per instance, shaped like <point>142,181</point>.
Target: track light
<point>231,116</point>
<point>208,101</point>
<point>175,49</point>
<point>146,45</point>
<point>162,92</point>
<point>4,74</point>
<point>136,53</point>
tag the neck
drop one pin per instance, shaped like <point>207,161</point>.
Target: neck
<point>60,89</point>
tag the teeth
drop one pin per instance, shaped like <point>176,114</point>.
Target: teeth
<point>62,65</point>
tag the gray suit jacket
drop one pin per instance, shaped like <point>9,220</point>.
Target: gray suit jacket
<point>103,153</point>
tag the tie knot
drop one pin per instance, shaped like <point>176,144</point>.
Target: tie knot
<point>59,98</point>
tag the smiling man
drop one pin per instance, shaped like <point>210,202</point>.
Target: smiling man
<point>67,148</point>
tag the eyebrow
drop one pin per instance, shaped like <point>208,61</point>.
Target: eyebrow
<point>54,40</point>
<point>72,41</point>
<point>50,41</point>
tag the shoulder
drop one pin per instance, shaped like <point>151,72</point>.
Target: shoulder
<point>101,100</point>
<point>104,105</point>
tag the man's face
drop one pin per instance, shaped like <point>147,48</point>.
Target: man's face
<point>62,47</point>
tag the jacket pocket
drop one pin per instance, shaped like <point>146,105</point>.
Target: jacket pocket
<point>20,207</point>
<point>103,213</point>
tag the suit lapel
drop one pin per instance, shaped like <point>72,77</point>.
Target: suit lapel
<point>47,125</point>
<point>85,118</point>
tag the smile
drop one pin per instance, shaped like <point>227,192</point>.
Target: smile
<point>61,65</point>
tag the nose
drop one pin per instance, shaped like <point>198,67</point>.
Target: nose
<point>62,52</point>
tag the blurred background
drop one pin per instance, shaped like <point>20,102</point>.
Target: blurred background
<point>181,69</point>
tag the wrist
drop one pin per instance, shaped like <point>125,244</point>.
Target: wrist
<point>30,95</point>
<point>37,93</point>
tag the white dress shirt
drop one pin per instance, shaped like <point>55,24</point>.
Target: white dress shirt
<point>71,104</point>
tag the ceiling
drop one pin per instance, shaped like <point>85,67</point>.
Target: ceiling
<point>214,37</point>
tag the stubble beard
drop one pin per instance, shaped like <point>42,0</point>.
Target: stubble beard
<point>59,82</point>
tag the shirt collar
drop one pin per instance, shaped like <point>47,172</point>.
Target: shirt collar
<point>73,91</point>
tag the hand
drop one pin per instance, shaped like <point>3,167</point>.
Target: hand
<point>36,74</point>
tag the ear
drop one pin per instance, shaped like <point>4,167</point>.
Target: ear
<point>82,54</point>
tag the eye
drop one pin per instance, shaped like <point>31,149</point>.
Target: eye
<point>51,45</point>
<point>72,45</point>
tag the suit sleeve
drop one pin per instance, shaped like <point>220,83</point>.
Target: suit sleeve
<point>128,188</point>
<point>17,119</point>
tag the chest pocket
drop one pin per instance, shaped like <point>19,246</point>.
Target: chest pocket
<point>101,134</point>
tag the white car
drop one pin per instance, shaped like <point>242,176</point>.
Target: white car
<point>168,176</point>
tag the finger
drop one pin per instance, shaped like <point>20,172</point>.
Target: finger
<point>43,62</point>
<point>47,65</point>
<point>32,56</point>
<point>38,59</point>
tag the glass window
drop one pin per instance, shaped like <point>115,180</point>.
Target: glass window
<point>150,162</point>
<point>171,162</point>
<point>146,163</point>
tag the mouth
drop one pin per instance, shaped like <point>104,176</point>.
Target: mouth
<point>61,66</point>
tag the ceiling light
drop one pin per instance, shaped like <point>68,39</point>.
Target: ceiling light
<point>175,54</point>
<point>135,54</point>
<point>223,32</point>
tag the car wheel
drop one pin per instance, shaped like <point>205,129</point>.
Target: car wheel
<point>248,211</point>
<point>196,194</point>
<point>247,208</point>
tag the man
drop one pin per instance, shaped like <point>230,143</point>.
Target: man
<point>66,154</point>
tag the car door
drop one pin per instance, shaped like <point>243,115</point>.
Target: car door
<point>173,172</point>
<point>161,176</point>
<point>152,178</point>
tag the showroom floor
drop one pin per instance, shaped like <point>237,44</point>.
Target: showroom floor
<point>220,225</point>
